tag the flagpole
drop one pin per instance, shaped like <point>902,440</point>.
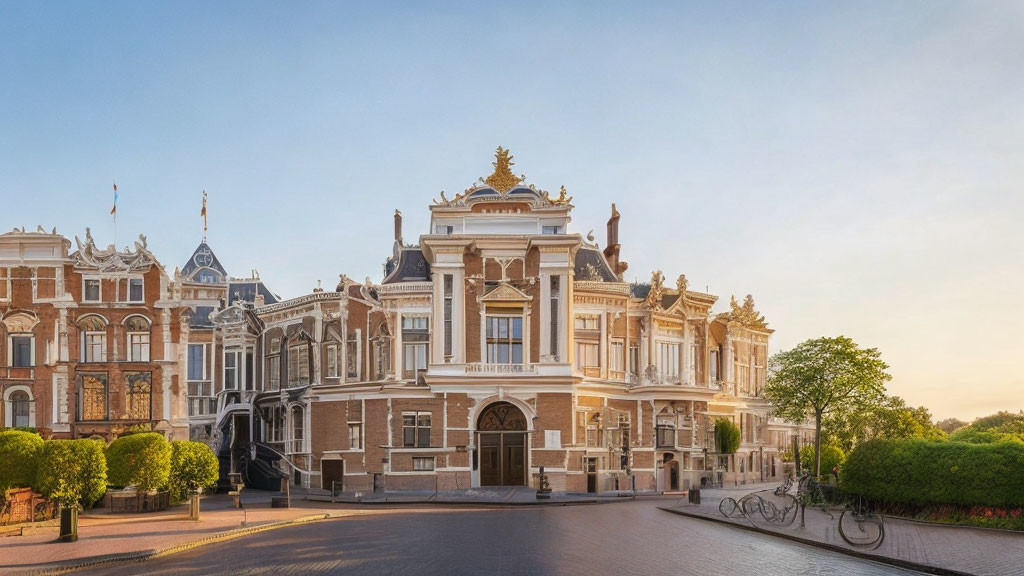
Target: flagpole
<point>203,214</point>
<point>113,212</point>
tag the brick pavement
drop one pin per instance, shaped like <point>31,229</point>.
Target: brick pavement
<point>945,548</point>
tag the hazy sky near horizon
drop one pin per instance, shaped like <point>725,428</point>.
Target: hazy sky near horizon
<point>856,167</point>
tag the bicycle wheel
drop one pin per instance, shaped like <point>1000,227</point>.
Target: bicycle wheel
<point>768,510</point>
<point>864,530</point>
<point>749,505</point>
<point>728,507</point>
<point>788,513</point>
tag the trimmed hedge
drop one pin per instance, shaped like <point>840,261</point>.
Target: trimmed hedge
<point>143,460</point>
<point>922,473</point>
<point>20,452</point>
<point>72,472</point>
<point>194,466</point>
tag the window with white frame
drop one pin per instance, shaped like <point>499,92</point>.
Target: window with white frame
<point>91,291</point>
<point>274,364</point>
<point>21,346</point>
<point>616,356</point>
<point>423,463</point>
<point>586,322</point>
<point>355,436</point>
<point>504,339</point>
<point>555,297</point>
<point>232,368</point>
<point>135,290</point>
<point>416,429</point>
<point>415,337</point>
<point>332,360</point>
<point>21,409</point>
<point>668,360</point>
<point>634,359</point>
<point>382,351</point>
<point>448,286</point>
<point>587,355</point>
<point>713,366</point>
<point>352,356</point>
<point>138,339</point>
<point>298,364</point>
<point>298,426</point>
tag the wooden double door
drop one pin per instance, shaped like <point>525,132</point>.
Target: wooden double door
<point>502,458</point>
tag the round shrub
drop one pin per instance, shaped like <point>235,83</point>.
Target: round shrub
<point>143,460</point>
<point>727,436</point>
<point>72,472</point>
<point>194,466</point>
<point>922,473</point>
<point>831,456</point>
<point>20,452</point>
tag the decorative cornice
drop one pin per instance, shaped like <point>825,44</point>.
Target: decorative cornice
<point>110,260</point>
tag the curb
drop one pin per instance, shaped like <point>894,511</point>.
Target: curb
<point>927,569</point>
<point>139,556</point>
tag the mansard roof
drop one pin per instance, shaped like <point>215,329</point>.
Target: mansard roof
<point>591,265</point>
<point>203,257</point>
<point>201,317</point>
<point>246,291</point>
<point>412,266</point>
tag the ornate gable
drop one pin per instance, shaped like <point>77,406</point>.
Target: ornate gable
<point>505,292</point>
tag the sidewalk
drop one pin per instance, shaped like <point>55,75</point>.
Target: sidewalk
<point>106,537</point>
<point>935,548</point>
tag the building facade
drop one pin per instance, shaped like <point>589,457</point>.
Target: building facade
<point>89,338</point>
<point>496,344</point>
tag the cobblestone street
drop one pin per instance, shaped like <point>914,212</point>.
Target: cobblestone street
<point>620,538</point>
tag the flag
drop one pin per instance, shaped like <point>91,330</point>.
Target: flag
<point>203,212</point>
<point>113,211</point>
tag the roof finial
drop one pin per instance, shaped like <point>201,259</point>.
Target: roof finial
<point>203,214</point>
<point>502,179</point>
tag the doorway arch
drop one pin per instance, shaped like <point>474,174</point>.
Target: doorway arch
<point>501,440</point>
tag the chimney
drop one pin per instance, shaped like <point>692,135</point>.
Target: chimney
<point>259,300</point>
<point>611,250</point>
<point>398,226</point>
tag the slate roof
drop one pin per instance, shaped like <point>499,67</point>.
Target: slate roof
<point>191,267</point>
<point>640,289</point>
<point>246,290</point>
<point>201,317</point>
<point>595,258</point>
<point>411,267</point>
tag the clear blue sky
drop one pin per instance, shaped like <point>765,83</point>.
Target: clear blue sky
<point>857,167</point>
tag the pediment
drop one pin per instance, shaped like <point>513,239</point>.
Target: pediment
<point>505,292</point>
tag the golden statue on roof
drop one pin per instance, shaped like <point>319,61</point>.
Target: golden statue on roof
<point>745,314</point>
<point>502,179</point>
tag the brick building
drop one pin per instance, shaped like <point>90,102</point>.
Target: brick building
<point>498,343</point>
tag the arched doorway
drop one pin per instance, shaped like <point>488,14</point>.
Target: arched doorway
<point>501,445</point>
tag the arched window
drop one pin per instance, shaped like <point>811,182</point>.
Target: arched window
<point>21,409</point>
<point>138,338</point>
<point>93,329</point>
<point>20,340</point>
<point>139,390</point>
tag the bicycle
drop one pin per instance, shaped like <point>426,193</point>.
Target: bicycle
<point>860,526</point>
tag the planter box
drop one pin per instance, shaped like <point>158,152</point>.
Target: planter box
<point>133,501</point>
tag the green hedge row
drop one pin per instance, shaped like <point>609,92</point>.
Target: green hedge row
<point>922,473</point>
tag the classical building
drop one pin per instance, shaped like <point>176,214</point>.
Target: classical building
<point>89,339</point>
<point>498,343</point>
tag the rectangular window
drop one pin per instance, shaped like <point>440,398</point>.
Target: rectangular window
<point>250,372</point>
<point>231,370</point>
<point>587,355</point>
<point>448,301</point>
<point>91,290</point>
<point>415,336</point>
<point>713,366</point>
<point>555,295</point>
<point>634,359</point>
<point>298,365</point>
<point>586,322</point>
<point>668,360</point>
<point>21,351</point>
<point>551,229</point>
<point>615,356</point>
<point>444,229</point>
<point>94,347</point>
<point>196,362</point>
<point>416,429</point>
<point>423,463</point>
<point>352,359</point>
<point>138,347</point>
<point>504,340</point>
<point>274,373</point>
<point>355,436</point>
<point>139,388</point>
<point>135,292</point>
<point>332,361</point>
<point>92,395</point>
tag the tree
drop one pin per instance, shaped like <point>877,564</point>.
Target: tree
<point>825,376</point>
<point>142,459</point>
<point>831,457</point>
<point>194,466</point>
<point>19,452</point>
<point>727,436</point>
<point>950,425</point>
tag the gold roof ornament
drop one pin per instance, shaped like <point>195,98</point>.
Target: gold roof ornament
<point>657,290</point>
<point>682,284</point>
<point>502,179</point>
<point>563,198</point>
<point>744,314</point>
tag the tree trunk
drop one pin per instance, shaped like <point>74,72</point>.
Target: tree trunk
<point>817,444</point>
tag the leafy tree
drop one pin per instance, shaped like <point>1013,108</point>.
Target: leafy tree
<point>727,436</point>
<point>831,456</point>
<point>72,472</point>
<point>950,425</point>
<point>891,419</point>
<point>1002,422</point>
<point>194,466</point>
<point>825,376</point>
<point>142,459</point>
<point>20,452</point>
